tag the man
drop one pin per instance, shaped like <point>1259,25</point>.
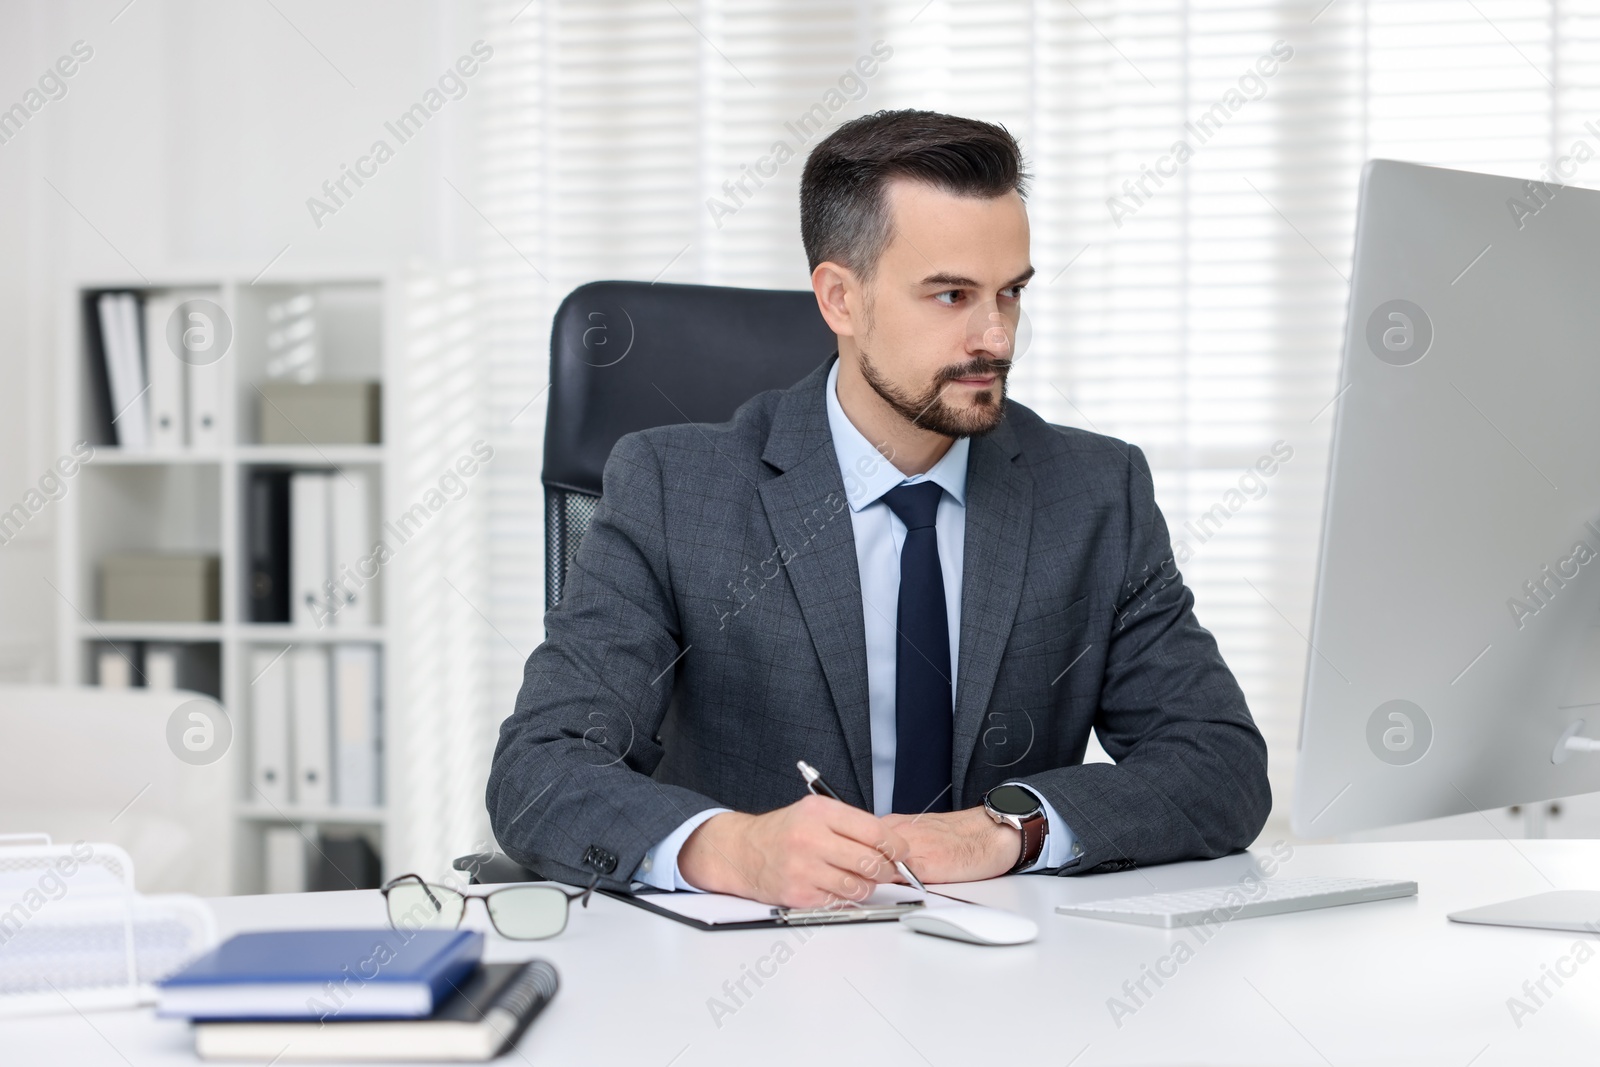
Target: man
<point>936,596</point>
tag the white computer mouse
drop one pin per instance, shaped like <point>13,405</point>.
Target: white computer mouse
<point>972,923</point>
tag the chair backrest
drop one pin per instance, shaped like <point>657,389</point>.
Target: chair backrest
<point>627,356</point>
<point>98,764</point>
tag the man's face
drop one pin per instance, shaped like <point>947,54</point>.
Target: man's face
<point>941,310</point>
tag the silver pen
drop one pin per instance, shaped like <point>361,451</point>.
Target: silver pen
<point>815,783</point>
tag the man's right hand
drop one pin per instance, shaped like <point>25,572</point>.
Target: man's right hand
<point>810,854</point>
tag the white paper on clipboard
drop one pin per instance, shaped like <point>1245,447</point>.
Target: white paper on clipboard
<point>718,909</point>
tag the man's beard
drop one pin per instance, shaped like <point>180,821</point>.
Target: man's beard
<point>929,411</point>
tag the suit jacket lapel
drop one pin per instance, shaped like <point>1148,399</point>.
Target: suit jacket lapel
<point>810,517</point>
<point>999,523</point>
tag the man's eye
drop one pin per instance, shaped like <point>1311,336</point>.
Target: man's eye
<point>954,297</point>
<point>1013,293</point>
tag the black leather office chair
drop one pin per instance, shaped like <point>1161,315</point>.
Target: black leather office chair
<point>627,356</point>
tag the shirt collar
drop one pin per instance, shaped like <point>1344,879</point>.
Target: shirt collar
<point>868,475</point>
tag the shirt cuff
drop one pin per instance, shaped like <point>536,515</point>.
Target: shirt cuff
<point>1060,843</point>
<point>659,868</point>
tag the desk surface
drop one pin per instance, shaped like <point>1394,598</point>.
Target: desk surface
<point>1387,982</point>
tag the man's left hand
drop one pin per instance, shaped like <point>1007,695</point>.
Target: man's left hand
<point>957,846</point>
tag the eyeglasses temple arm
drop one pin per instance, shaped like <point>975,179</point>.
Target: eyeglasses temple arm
<point>418,879</point>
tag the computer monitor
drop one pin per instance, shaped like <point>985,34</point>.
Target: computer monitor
<point>1459,586</point>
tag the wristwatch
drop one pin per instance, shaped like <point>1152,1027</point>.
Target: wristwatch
<point>1012,805</point>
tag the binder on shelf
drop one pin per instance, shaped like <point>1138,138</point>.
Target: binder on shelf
<point>125,373</point>
<point>344,861</point>
<point>203,383</point>
<point>284,870</point>
<point>205,406</point>
<point>358,731</point>
<point>349,596</point>
<point>96,379</point>
<point>116,667</point>
<point>309,548</point>
<point>161,664</point>
<point>130,346</point>
<point>269,724</point>
<point>168,418</point>
<point>312,726</point>
<point>267,542</point>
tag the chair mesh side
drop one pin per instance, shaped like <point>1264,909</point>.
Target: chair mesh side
<point>566,518</point>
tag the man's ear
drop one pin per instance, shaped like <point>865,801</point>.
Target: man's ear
<point>836,287</point>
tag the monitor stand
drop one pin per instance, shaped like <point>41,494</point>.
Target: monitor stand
<point>1574,910</point>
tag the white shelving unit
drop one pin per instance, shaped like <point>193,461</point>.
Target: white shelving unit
<point>194,501</point>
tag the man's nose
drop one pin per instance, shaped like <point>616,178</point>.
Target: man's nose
<point>990,332</point>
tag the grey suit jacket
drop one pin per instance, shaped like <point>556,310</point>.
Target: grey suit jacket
<point>711,635</point>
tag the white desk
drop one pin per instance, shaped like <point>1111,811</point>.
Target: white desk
<point>1388,982</point>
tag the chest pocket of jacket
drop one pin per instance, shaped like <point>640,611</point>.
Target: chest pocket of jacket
<point>1038,635</point>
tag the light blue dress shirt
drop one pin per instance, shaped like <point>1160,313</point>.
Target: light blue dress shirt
<point>879,535</point>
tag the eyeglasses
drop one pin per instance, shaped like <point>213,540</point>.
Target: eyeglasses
<point>520,912</point>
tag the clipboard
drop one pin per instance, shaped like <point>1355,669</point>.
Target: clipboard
<point>719,911</point>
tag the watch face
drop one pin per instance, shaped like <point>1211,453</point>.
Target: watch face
<point>1012,800</point>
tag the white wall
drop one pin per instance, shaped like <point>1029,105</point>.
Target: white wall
<point>193,136</point>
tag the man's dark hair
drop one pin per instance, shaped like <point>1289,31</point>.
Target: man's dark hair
<point>844,214</point>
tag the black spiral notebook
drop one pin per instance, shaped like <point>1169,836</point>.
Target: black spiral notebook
<point>488,1012</point>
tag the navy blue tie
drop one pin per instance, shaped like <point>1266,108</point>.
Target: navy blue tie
<point>922,710</point>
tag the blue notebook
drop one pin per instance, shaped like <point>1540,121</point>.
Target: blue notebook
<point>323,974</point>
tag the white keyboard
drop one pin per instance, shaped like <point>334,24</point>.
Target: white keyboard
<point>1240,900</point>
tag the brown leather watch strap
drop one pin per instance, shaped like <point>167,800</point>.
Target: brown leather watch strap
<point>1034,828</point>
